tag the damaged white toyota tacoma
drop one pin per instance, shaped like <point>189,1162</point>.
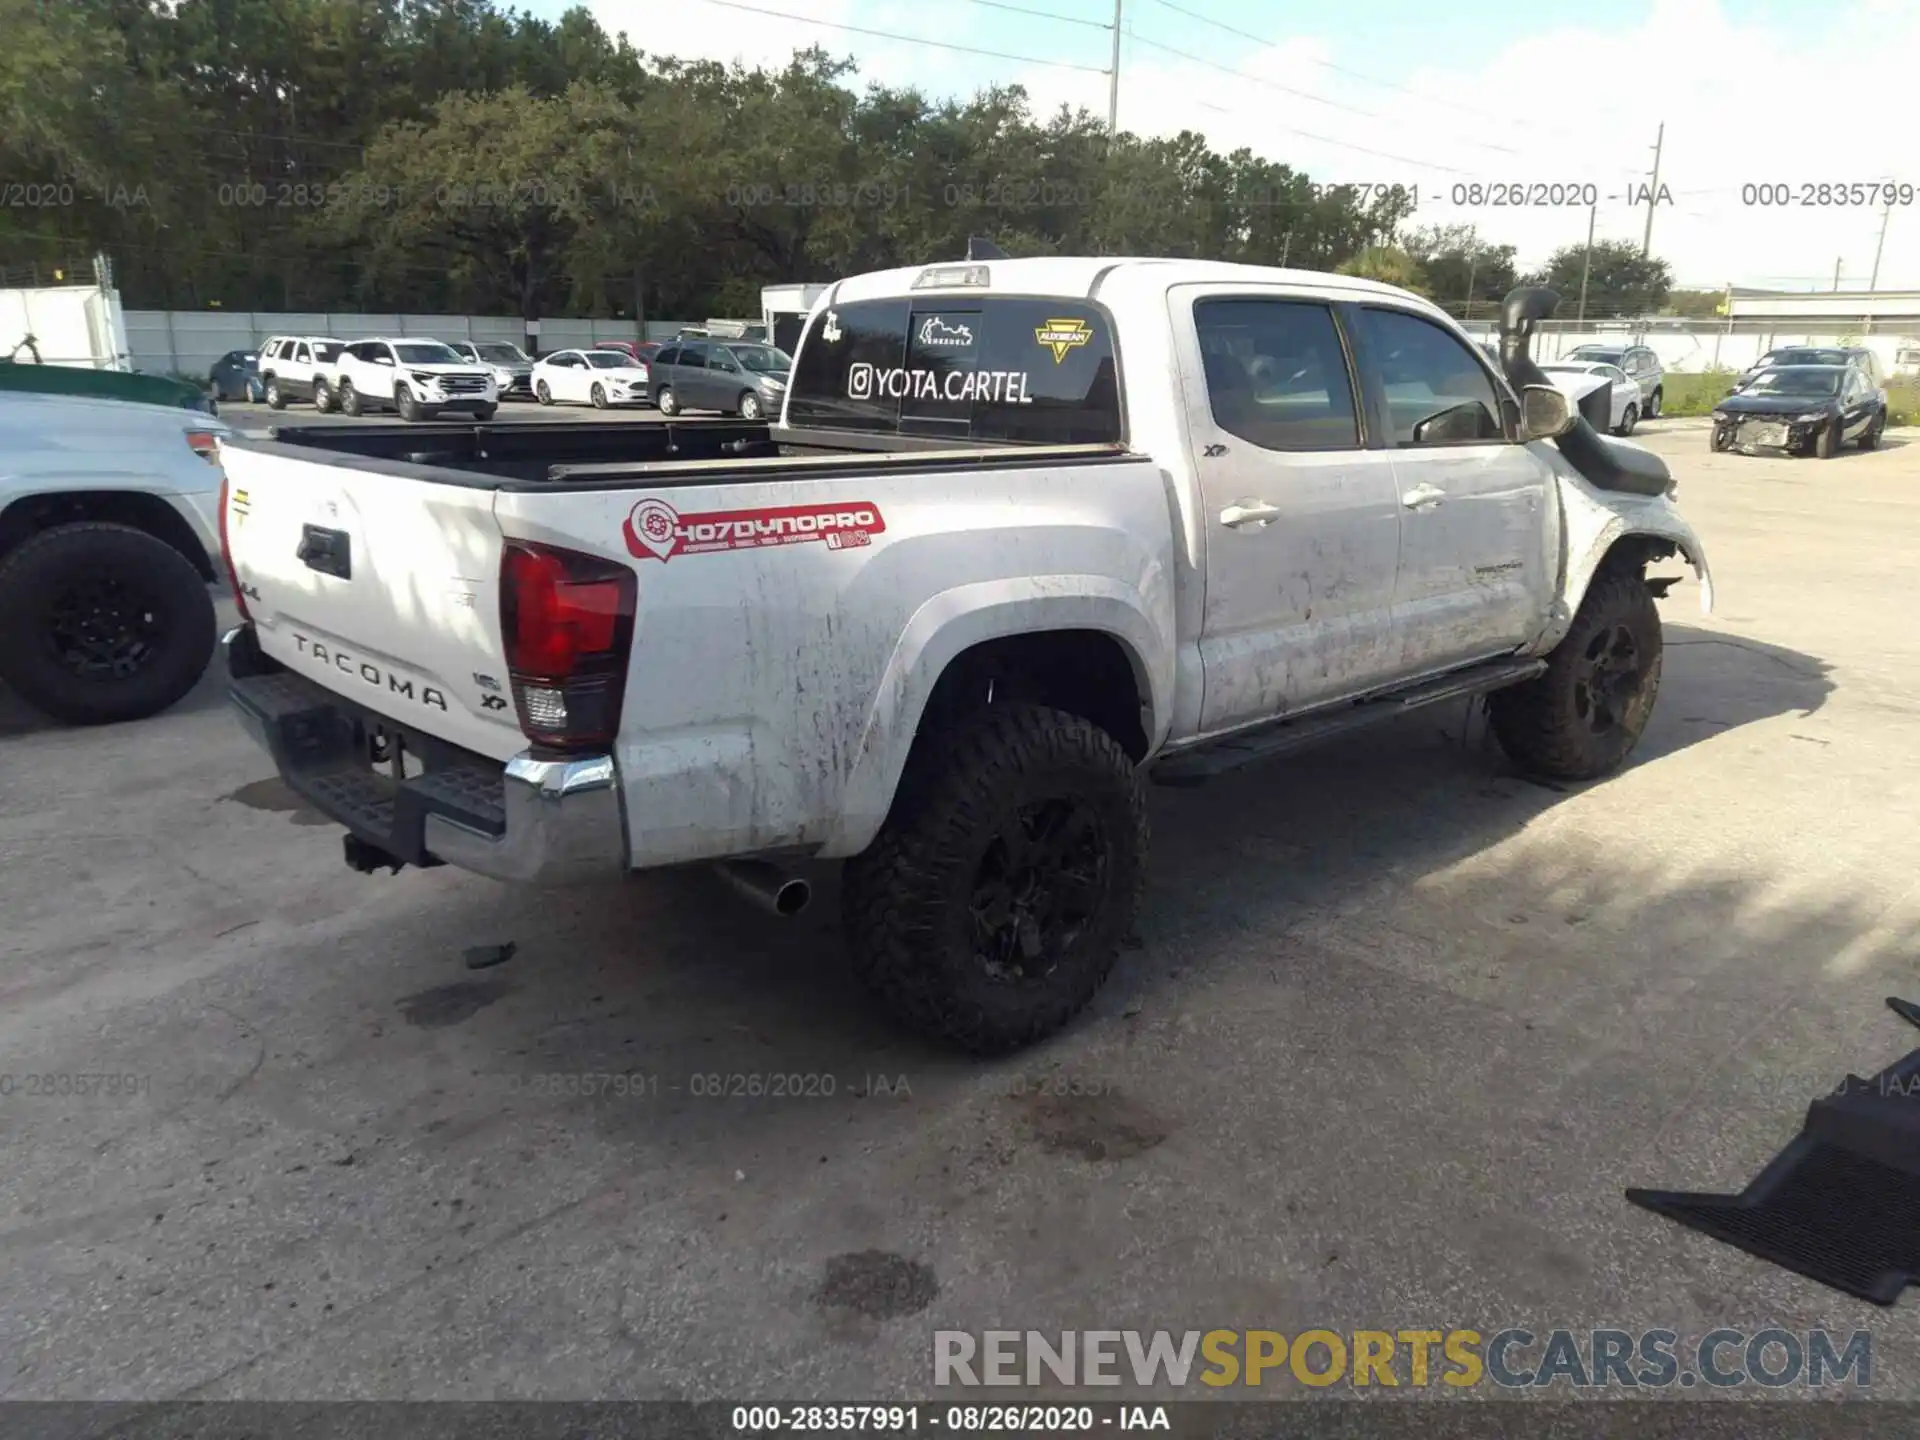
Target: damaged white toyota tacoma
<point>1029,535</point>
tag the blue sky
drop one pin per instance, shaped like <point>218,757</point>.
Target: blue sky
<point>1337,89</point>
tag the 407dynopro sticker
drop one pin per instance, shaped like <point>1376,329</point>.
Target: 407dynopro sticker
<point>655,530</point>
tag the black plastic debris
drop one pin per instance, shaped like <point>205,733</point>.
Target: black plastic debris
<point>1907,1010</point>
<point>1841,1204</point>
<point>485,957</point>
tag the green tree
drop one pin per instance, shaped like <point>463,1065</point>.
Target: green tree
<point>1389,264</point>
<point>1464,272</point>
<point>1620,282</point>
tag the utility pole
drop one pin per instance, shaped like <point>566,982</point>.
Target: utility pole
<point>1885,215</point>
<point>1473,269</point>
<point>1653,191</point>
<point>1113,78</point>
<point>1836,273</point>
<point>1586,266</point>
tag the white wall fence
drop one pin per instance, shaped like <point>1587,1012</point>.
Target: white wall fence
<point>1692,350</point>
<point>189,341</point>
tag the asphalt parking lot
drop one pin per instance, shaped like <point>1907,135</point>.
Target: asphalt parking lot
<point>1400,1028</point>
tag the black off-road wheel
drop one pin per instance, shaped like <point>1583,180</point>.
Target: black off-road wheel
<point>992,905</point>
<point>103,623</point>
<point>1582,718</point>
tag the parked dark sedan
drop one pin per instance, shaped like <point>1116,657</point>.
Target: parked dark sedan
<point>236,376</point>
<point>1802,409</point>
<point>1856,355</point>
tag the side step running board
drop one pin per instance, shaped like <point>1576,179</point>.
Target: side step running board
<point>1279,737</point>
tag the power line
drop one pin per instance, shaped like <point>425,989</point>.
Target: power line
<point>1289,90</point>
<point>1329,140</point>
<point>1039,14</point>
<point>912,39</point>
<point>1357,74</point>
<point>1289,129</point>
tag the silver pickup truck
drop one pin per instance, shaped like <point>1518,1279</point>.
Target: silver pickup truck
<point>1029,534</point>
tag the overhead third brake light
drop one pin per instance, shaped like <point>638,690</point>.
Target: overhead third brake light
<point>941,277</point>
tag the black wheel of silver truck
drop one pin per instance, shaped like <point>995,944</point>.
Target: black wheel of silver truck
<point>992,905</point>
<point>408,404</point>
<point>276,397</point>
<point>349,399</point>
<point>323,397</point>
<point>1582,718</point>
<point>103,623</point>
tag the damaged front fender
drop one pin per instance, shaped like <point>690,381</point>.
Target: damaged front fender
<point>1597,522</point>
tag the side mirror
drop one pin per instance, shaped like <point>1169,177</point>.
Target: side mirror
<point>1545,413</point>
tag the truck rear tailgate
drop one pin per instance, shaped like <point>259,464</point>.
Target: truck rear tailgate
<point>381,586</point>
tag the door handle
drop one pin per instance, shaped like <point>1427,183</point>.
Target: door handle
<point>1249,512</point>
<point>1422,495</point>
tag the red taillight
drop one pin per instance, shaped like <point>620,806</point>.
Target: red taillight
<point>226,550</point>
<point>567,620</point>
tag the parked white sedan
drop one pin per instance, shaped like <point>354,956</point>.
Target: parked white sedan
<point>589,377</point>
<point>1575,378</point>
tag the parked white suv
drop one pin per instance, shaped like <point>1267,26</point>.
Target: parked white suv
<point>418,378</point>
<point>291,366</point>
<point>1642,367</point>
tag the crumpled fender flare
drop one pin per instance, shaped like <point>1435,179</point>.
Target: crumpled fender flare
<point>1593,526</point>
<point>955,621</point>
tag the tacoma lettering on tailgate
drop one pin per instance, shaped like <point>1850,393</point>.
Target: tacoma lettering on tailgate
<point>366,670</point>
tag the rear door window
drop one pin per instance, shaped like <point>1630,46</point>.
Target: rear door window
<point>1277,373</point>
<point>1004,369</point>
<point>693,357</point>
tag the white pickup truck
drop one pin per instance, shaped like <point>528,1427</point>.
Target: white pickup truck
<point>109,515</point>
<point>1029,534</point>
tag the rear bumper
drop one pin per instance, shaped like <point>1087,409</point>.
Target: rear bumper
<point>545,822</point>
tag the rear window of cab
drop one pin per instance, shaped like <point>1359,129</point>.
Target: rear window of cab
<point>1010,369</point>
